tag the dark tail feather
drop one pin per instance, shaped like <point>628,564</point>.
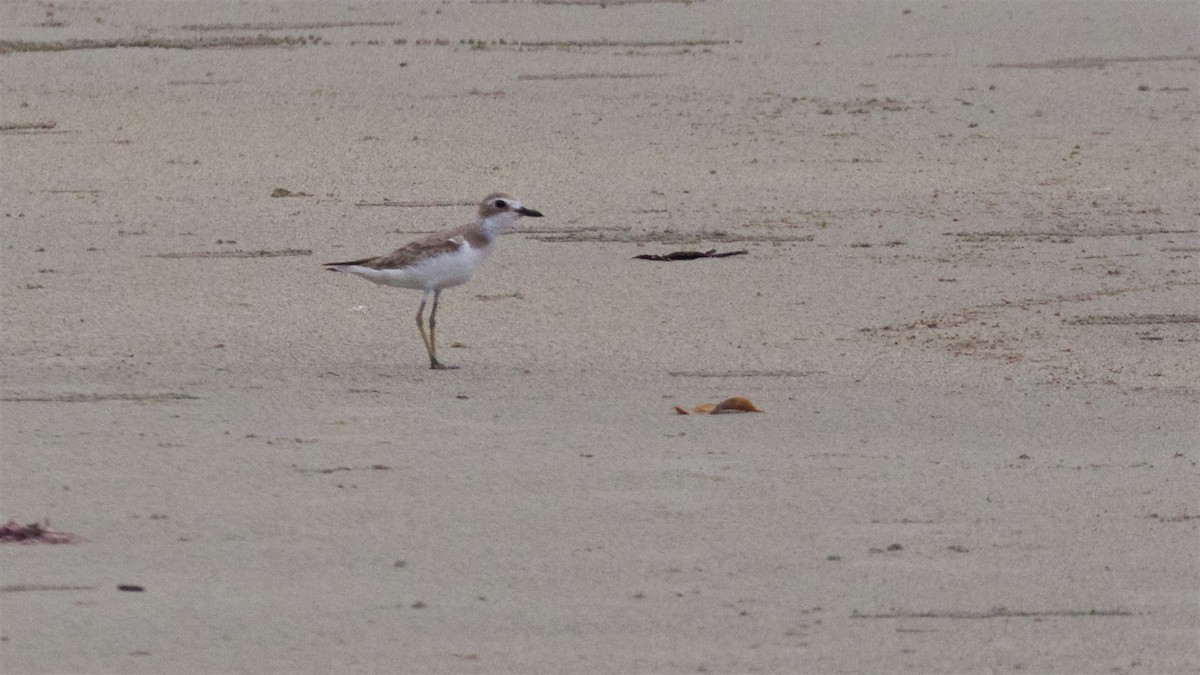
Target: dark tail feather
<point>352,262</point>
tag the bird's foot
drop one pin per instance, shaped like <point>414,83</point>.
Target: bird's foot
<point>438,365</point>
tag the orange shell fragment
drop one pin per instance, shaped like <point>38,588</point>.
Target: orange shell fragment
<point>737,404</point>
<point>734,405</point>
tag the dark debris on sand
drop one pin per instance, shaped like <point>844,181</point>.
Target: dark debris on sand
<point>13,532</point>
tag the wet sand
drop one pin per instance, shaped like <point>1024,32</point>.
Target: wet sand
<point>970,308</point>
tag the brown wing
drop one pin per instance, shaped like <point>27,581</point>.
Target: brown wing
<point>412,252</point>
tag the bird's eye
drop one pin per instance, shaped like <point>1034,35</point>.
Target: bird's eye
<point>501,204</point>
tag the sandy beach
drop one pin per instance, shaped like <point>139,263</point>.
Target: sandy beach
<point>969,307</point>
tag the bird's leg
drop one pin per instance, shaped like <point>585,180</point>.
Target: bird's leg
<point>433,362</point>
<point>421,327</point>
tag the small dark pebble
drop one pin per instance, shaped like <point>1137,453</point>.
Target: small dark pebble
<point>895,547</point>
<point>131,587</point>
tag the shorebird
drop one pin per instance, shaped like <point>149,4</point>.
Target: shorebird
<point>440,261</point>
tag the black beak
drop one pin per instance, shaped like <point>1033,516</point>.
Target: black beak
<point>529,212</point>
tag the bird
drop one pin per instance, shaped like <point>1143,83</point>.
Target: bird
<point>440,261</point>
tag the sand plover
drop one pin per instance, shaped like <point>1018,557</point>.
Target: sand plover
<point>439,261</point>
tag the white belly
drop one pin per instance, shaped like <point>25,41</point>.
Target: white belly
<point>436,273</point>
